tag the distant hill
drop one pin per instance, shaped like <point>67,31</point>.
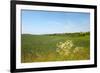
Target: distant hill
<point>62,34</point>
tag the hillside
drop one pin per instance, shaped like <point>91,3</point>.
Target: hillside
<point>48,47</point>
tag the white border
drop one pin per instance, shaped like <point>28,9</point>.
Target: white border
<point>20,65</point>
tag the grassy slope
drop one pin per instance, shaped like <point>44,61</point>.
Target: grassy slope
<point>40,48</point>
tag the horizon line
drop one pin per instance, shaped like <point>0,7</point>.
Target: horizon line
<point>54,33</point>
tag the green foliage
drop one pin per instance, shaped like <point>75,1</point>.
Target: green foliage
<point>42,48</point>
<point>69,51</point>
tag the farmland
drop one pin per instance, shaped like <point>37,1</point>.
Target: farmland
<point>55,47</point>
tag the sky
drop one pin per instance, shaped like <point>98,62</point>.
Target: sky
<point>49,22</point>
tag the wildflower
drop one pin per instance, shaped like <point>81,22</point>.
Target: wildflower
<point>63,48</point>
<point>77,49</point>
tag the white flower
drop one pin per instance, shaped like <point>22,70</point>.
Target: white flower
<point>77,49</point>
<point>63,48</point>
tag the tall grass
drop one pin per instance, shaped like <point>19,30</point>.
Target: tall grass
<point>55,47</point>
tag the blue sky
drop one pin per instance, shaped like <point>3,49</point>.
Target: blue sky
<point>48,22</point>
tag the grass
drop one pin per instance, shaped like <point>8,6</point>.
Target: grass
<point>43,48</point>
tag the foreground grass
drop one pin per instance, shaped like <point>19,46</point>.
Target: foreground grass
<point>42,48</point>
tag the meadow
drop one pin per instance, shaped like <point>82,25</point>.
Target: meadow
<point>55,47</point>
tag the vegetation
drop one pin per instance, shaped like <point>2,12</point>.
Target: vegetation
<point>55,47</point>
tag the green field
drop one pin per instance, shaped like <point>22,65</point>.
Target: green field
<point>55,47</point>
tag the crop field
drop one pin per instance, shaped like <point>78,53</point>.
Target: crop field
<point>55,47</point>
